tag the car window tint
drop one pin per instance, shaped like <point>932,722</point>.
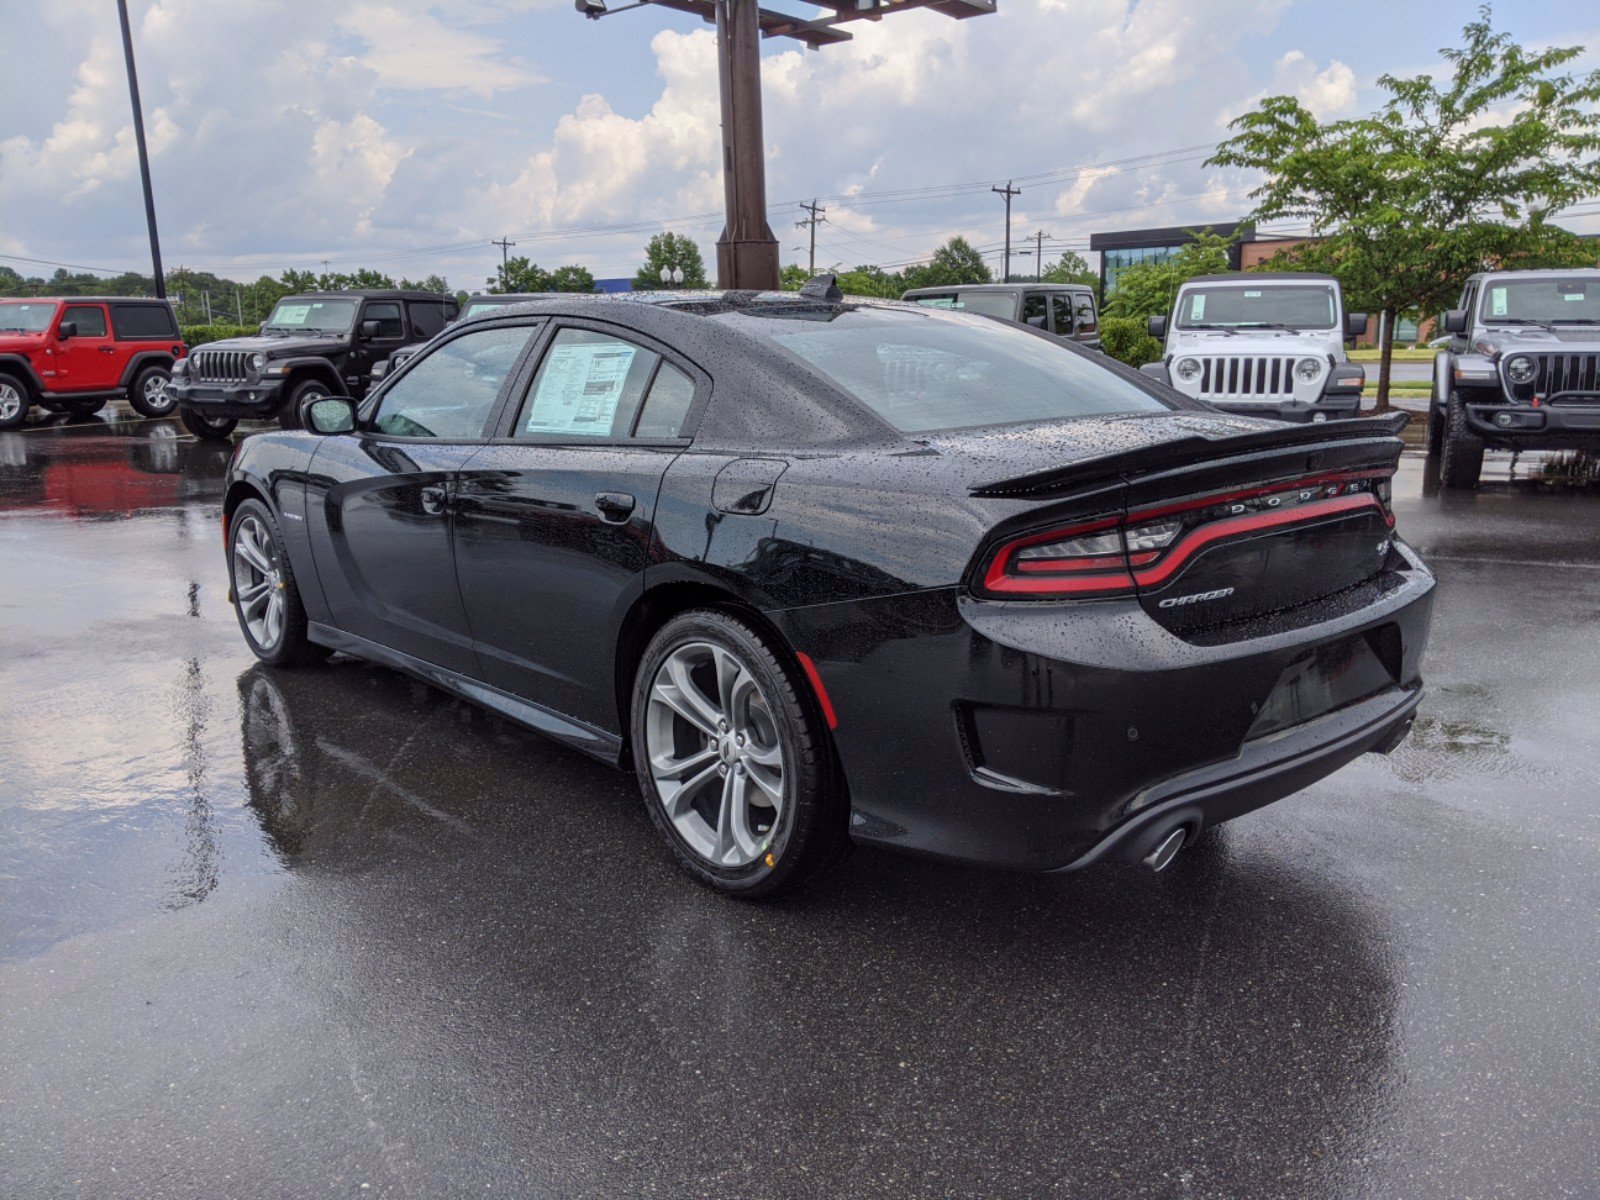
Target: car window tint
<point>388,318</point>
<point>136,321</point>
<point>427,319</point>
<point>90,319</point>
<point>449,392</point>
<point>1087,321</point>
<point>1033,309</point>
<point>990,304</point>
<point>589,385</point>
<point>667,404</point>
<point>1061,313</point>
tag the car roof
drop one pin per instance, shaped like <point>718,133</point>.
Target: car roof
<point>999,287</point>
<point>85,300</point>
<point>369,294</point>
<point>514,297</point>
<point>1257,276</point>
<point>1540,273</point>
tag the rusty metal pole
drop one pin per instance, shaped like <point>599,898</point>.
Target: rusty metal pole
<point>747,251</point>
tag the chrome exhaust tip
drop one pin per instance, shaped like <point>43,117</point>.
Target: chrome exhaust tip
<point>1166,850</point>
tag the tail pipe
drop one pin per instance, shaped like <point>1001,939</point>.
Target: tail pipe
<point>1156,846</point>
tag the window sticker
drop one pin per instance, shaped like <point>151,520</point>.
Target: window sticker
<point>1197,307</point>
<point>1252,295</point>
<point>580,387</point>
<point>292,314</point>
<point>1578,296</point>
<point>1497,302</point>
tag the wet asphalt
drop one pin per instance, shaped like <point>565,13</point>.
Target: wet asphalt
<point>331,933</point>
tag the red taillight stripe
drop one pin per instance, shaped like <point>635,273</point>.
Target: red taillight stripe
<point>1252,523</point>
<point>810,668</point>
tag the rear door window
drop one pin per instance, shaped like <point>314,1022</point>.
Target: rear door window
<point>388,318</point>
<point>1033,309</point>
<point>589,385</point>
<point>427,319</point>
<point>666,404</point>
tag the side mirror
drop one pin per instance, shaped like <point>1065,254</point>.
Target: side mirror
<point>1455,320</point>
<point>66,330</point>
<point>329,415</point>
<point>1355,324</point>
<point>369,330</point>
<point>1157,327</point>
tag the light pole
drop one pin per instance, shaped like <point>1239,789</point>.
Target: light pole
<point>671,277</point>
<point>747,252</point>
<point>144,153</point>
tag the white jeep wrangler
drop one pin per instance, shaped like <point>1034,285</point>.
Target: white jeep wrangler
<point>1268,343</point>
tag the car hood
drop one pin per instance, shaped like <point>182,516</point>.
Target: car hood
<point>1257,342</point>
<point>276,347</point>
<point>23,341</point>
<point>1563,337</point>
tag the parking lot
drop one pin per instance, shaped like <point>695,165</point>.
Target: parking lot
<point>332,933</point>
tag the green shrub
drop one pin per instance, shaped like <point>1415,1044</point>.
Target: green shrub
<point>1127,340</point>
<point>199,335</point>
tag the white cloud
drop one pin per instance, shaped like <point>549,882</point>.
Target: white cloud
<point>411,49</point>
<point>1329,93</point>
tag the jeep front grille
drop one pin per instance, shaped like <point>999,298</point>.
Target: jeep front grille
<point>1231,376</point>
<point>1566,373</point>
<point>219,366</point>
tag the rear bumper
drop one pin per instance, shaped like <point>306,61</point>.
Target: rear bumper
<point>1049,736</point>
<point>244,399</point>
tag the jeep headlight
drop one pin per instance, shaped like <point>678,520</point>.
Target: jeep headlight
<point>1309,369</point>
<point>1521,370</point>
<point>1187,369</point>
<point>258,363</point>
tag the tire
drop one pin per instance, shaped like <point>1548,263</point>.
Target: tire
<point>1461,456</point>
<point>306,389</point>
<point>262,586</point>
<point>14,402</point>
<point>207,429</point>
<point>749,818</point>
<point>149,395</point>
<point>1434,432</point>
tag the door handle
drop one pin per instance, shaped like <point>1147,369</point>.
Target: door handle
<point>108,349</point>
<point>433,500</point>
<point>615,507</point>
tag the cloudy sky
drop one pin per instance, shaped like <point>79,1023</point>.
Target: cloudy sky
<point>404,134</point>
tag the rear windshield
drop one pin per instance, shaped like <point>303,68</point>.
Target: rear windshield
<point>990,304</point>
<point>1309,306</point>
<point>925,371</point>
<point>26,318</point>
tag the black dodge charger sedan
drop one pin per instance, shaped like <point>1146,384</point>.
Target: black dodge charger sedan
<point>826,570</point>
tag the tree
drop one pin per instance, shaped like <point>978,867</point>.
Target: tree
<point>1442,180</point>
<point>794,277</point>
<point>954,262</point>
<point>671,250</point>
<point>1071,269</point>
<point>1148,289</point>
<point>519,275</point>
<point>571,279</point>
<point>433,283</point>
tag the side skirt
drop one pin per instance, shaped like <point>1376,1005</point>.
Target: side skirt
<point>607,747</point>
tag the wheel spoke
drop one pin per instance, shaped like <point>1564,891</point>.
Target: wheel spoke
<point>767,756</point>
<point>251,552</point>
<point>676,768</point>
<point>677,802</point>
<point>772,787</point>
<point>686,699</point>
<point>259,600</point>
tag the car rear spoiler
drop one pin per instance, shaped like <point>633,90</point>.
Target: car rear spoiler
<point>1183,451</point>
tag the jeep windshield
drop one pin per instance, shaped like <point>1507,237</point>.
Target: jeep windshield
<point>1541,302</point>
<point>25,318</point>
<point>313,316</point>
<point>1235,306</point>
<point>926,371</point>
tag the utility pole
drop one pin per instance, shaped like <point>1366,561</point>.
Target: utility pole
<point>1008,191</point>
<point>505,261</point>
<point>144,153</point>
<point>238,304</point>
<point>812,221</point>
<point>1038,256</point>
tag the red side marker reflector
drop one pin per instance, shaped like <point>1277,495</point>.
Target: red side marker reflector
<point>810,668</point>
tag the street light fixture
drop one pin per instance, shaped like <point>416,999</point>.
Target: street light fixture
<point>671,276</point>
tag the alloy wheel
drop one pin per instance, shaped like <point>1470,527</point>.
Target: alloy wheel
<point>715,755</point>
<point>11,402</point>
<point>155,393</point>
<point>258,582</point>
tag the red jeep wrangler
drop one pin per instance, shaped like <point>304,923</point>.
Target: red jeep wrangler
<point>74,353</point>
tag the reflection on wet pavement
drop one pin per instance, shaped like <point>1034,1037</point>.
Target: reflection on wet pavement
<point>292,932</point>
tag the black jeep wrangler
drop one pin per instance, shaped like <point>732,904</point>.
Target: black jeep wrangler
<point>1521,371</point>
<point>316,345</point>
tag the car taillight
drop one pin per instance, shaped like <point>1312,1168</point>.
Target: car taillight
<point>1115,555</point>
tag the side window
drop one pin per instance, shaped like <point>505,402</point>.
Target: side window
<point>143,322</point>
<point>589,385</point>
<point>426,319</point>
<point>1061,313</point>
<point>388,318</point>
<point>945,300</point>
<point>1088,321</point>
<point>449,392</point>
<point>1033,309</point>
<point>90,319</point>
<point>666,404</point>
<point>1469,302</point>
